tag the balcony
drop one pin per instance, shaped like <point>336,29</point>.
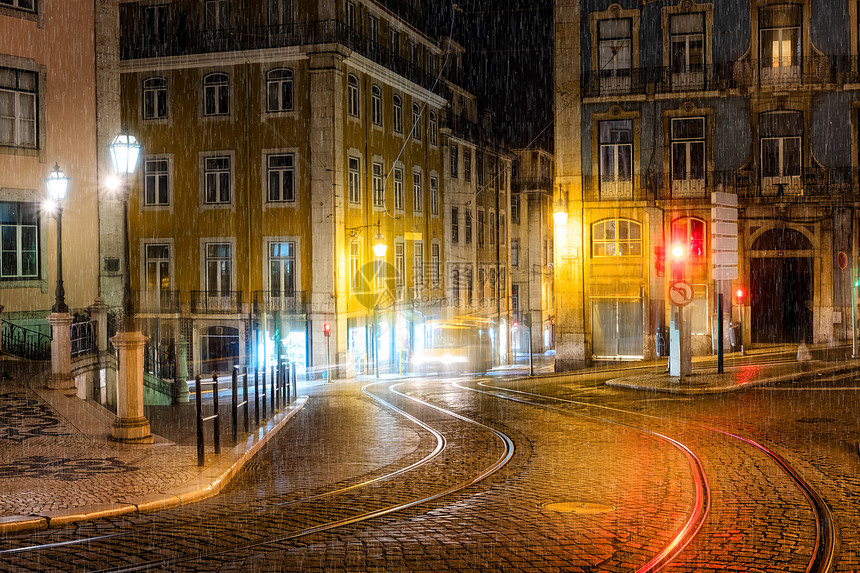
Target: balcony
<point>187,42</point>
<point>157,301</point>
<point>525,184</point>
<point>741,74</point>
<point>810,183</point>
<point>461,126</point>
<point>267,302</point>
<point>216,302</point>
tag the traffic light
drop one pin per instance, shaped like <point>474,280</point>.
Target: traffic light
<point>739,294</point>
<point>326,330</point>
<point>679,253</point>
<point>515,325</point>
<point>660,260</point>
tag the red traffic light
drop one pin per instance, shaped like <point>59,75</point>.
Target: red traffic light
<point>678,252</point>
<point>516,324</point>
<point>327,329</point>
<point>739,294</point>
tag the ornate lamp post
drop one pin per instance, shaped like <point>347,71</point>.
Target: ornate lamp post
<point>60,319</point>
<point>130,424</point>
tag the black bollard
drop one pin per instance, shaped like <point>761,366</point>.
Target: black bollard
<point>201,457</point>
<point>217,414</point>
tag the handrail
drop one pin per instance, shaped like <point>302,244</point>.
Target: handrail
<point>25,343</point>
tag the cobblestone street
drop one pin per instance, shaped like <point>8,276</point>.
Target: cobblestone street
<point>545,474</point>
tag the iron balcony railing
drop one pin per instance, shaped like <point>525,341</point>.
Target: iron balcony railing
<point>185,42</point>
<point>216,302</point>
<point>810,182</point>
<point>780,74</point>
<point>461,126</point>
<point>84,338</point>
<point>268,301</point>
<point>157,301</point>
<point>25,343</point>
<point>539,183</point>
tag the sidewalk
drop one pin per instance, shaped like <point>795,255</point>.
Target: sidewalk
<point>745,372</point>
<point>58,464</point>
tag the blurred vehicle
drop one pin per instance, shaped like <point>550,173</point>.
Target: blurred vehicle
<point>460,345</point>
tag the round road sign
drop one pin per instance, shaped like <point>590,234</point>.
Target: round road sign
<point>681,293</point>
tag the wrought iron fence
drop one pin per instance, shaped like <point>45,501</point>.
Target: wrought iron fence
<point>279,301</point>
<point>84,338</point>
<point>220,302</point>
<point>25,343</point>
<point>157,301</point>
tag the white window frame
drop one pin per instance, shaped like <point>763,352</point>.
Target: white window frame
<point>281,80</point>
<point>378,184</point>
<point>268,242</point>
<point>434,195</point>
<point>397,114</point>
<point>216,90</point>
<point>283,172</point>
<point>354,179</point>
<point>418,264</point>
<point>353,98</point>
<point>152,179</point>
<point>30,6</point>
<point>455,224</point>
<point>435,263</point>
<point>18,227</point>
<point>145,244</point>
<point>23,100</point>
<point>206,169</point>
<point>399,262</point>
<point>205,242</point>
<point>399,194</point>
<point>154,93</point>
<point>416,122</point>
<point>354,266</point>
<point>453,159</point>
<point>417,192</point>
<point>467,164</point>
<point>376,105</point>
<point>433,129</point>
<point>515,252</point>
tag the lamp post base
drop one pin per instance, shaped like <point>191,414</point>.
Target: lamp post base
<point>61,354</point>
<point>130,424</point>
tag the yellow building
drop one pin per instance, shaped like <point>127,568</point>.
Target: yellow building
<point>279,141</point>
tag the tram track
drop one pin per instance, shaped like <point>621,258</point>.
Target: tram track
<point>361,494</point>
<point>826,543</point>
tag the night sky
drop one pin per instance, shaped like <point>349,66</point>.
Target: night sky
<point>509,55</point>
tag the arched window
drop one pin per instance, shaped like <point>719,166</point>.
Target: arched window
<point>432,128</point>
<point>416,122</point>
<point>689,232</point>
<point>397,119</point>
<point>155,98</point>
<point>616,237</point>
<point>279,90</point>
<point>376,104</point>
<point>216,94</point>
<point>352,95</point>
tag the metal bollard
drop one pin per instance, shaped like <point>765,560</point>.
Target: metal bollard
<point>295,384</point>
<point>245,398</point>
<point>257,396</point>
<point>285,397</point>
<point>276,394</point>
<point>234,406</point>
<point>265,415</point>
<point>201,457</point>
<point>217,414</point>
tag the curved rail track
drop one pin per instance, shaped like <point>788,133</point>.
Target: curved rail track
<point>826,542</point>
<point>102,544</point>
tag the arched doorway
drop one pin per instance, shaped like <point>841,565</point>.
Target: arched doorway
<point>781,293</point>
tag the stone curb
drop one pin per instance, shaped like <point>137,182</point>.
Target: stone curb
<point>208,483</point>
<point>671,386</point>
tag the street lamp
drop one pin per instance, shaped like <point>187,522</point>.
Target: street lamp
<point>379,246</point>
<point>130,424</point>
<point>124,153</point>
<point>58,184</point>
<point>60,319</point>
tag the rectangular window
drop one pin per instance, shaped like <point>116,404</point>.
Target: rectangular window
<point>350,14</point>
<point>515,301</point>
<point>455,225</point>
<point>354,180</point>
<point>781,142</point>
<point>503,233</point>
<point>352,95</point>
<point>155,98</point>
<point>279,90</point>
<point>688,148</point>
<point>24,5</point>
<point>479,167</point>
<point>417,193</point>
<point>394,41</point>
<point>281,178</point>
<point>492,219</point>
<point>614,55</point>
<point>616,156</point>
<point>435,264</point>
<point>156,176</point>
<point>418,262</point>
<point>398,189</point>
<point>480,228</point>
<point>157,269</point>
<point>397,115</point>
<point>413,53</point>
<point>376,104</point>
<point>515,209</point>
<point>217,14</point>
<point>219,269</point>
<point>18,108</point>
<point>378,187</point>
<point>373,28</point>
<point>467,226</point>
<point>434,195</point>
<point>687,37</point>
<point>280,13</point>
<point>217,175</point>
<point>354,266</point>
<point>19,236</point>
<point>467,165</point>
<point>399,264</point>
<point>416,122</point>
<point>515,252</point>
<point>282,268</point>
<point>454,159</point>
<point>780,38</point>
